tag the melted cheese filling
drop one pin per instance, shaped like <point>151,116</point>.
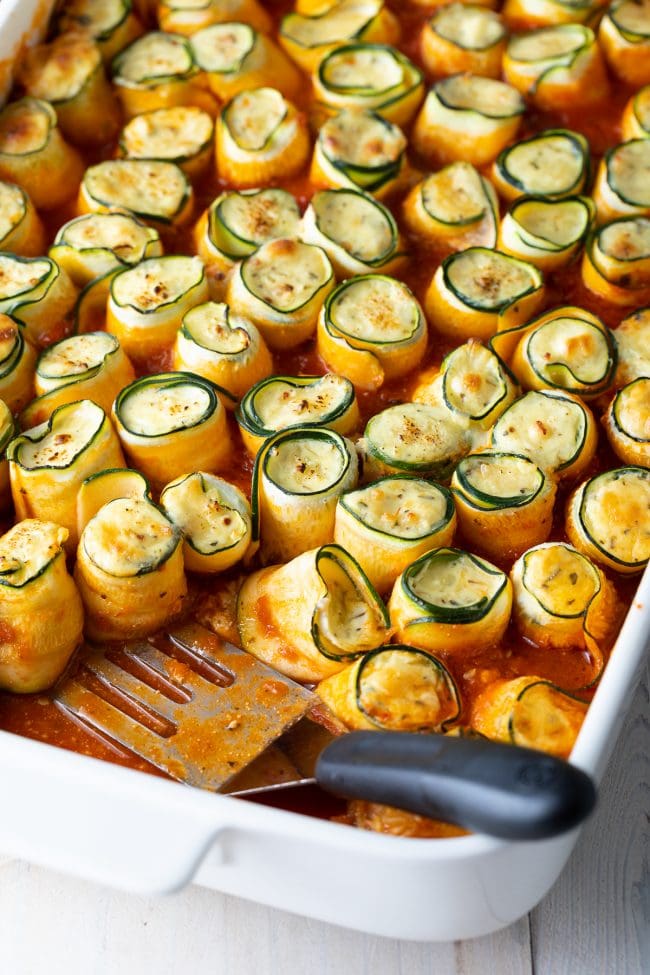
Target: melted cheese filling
<point>632,410</point>
<point>99,18</point>
<point>306,466</point>
<point>285,274</point>
<point>260,216</point>
<point>361,139</point>
<point>472,28</point>
<point>562,580</point>
<point>12,208</point>
<point>504,477</point>
<point>146,186</point>
<point>361,70</point>
<point>376,309</point>
<point>401,507</point>
<point>119,233</point>
<point>128,537</point>
<point>63,438</point>
<point>615,510</point>
<point>634,18</point>
<point>545,718</point>
<point>633,343</point>
<point>473,382</point>
<point>489,280</point>
<point>27,549</point>
<point>223,48</point>
<point>491,98</point>
<point>414,434</point>
<point>569,343</point>
<point>347,616</point>
<point>76,355</point>
<point>352,221</point>
<point>169,133</point>
<point>549,44</point>
<point>204,513</point>
<point>545,166</point>
<point>405,691</point>
<point>627,240</point>
<point>279,404</point>
<point>560,222</point>
<point>455,194</point>
<point>19,276</point>
<point>156,409</point>
<point>62,68</point>
<point>211,327</point>
<point>25,127</point>
<point>343,22</point>
<point>253,116</point>
<point>154,57</point>
<point>455,580</point>
<point>157,281</point>
<point>550,430</point>
<point>628,171</point>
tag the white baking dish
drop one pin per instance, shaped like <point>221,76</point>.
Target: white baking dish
<point>149,835</point>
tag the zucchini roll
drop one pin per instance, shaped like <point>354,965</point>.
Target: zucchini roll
<point>359,150</point>
<point>182,134</point>
<point>147,302</point>
<point>41,615</point>
<point>463,37</point>
<point>37,293</point>
<point>104,486</point>
<point>69,74</point>
<point>633,345</point>
<point>310,618</point>
<point>34,154</point>
<point>172,423</point>
<point>451,600</point>
<point>372,330</point>
<point>234,57</point>
<point>130,570</point>
<point>504,503</point>
<point>17,363</point>
<point>358,233</point>
<point>21,230</point>
<point>547,233</point>
<point>299,475</point>
<point>608,518</point>
<point>394,688</point>
<point>627,422</point>
<point>89,312</point>
<point>260,137</point>
<point>227,350</point>
<point>214,517</point>
<point>621,187</point>
<point>413,438</point>
<point>392,522</point>
<point>372,76</point>
<point>281,288</point>
<point>468,118</point>
<point>530,712</point>
<point>157,71</point>
<point>554,163</point>
<point>552,428</point>
<point>94,244</point>
<point>111,23</point>
<point>624,36</point>
<point>556,67</point>
<point>7,432</point>
<point>479,291</point>
<point>156,191</point>
<point>525,14</point>
<point>189,16</point>
<point>48,463</point>
<point>616,261</point>
<point>455,207</point>
<point>281,402</point>
<point>635,123</point>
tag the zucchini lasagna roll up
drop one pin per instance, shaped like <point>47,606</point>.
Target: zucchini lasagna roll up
<point>158,192</point>
<point>451,600</point>
<point>455,208</point>
<point>552,428</point>
<point>147,303</point>
<point>299,475</point>
<point>260,137</point>
<point>182,134</point>
<point>616,261</point>
<point>358,233</point>
<point>372,76</point>
<point>307,39</point>
<point>621,187</point>
<point>530,712</point>
<point>554,163</point>
<point>171,424</point>
<point>111,23</point>
<point>48,463</point>
<point>624,36</point>
<point>214,517</point>
<point>633,345</point>
<point>157,71</point>
<point>104,486</point>
<point>310,618</point>
<point>21,230</point>
<point>281,402</point>
<point>413,438</point>
<point>94,244</point>
<point>504,503</point>
<point>34,154</point>
<point>7,432</point>
<point>130,570</point>
<point>469,118</point>
<point>281,288</point>
<point>391,522</point>
<point>547,233</point>
<point>37,293</point>
<point>393,688</point>
<point>627,422</point>
<point>41,615</point>
<point>234,56</point>
<point>189,16</point>
<point>69,74</point>
<point>524,14</point>
<point>479,291</point>
<point>463,37</point>
<point>226,349</point>
<point>635,123</point>
<point>371,329</point>
<point>17,362</point>
<point>359,150</point>
<point>608,518</point>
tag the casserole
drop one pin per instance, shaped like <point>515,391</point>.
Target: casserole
<point>148,835</point>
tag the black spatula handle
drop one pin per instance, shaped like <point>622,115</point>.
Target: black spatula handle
<point>505,791</point>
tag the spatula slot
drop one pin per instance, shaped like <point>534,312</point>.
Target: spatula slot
<point>131,706</point>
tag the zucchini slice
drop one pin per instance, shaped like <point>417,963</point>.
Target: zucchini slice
<point>391,522</point>
<point>359,150</point>
<point>525,14</point>
<point>40,609</point>
<point>635,123</point>
<point>235,57</point>
<point>308,39</point>
<point>224,348</point>
<point>171,424</point>
<point>310,618</point>
<point>553,428</point>
<point>413,438</point>
<point>189,16</point>
<point>157,70</point>
<point>624,36</point>
<point>298,477</point>
<point>281,288</point>
<point>90,246</point>
<point>282,402</point>
<point>621,187</point>
<point>214,517</point>
<point>371,329</point>
<point>182,134</point>
<point>48,463</point>
<point>111,23</point>
<point>17,362</point>
<point>393,688</point>
<point>455,207</point>
<point>104,486</point>
<point>451,600</point>
<point>504,503</point>
<point>548,233</point>
<point>608,518</point>
<point>21,230</point>
<point>616,261</point>
<point>627,423</point>
<point>463,37</point>
<point>554,163</point>
<point>130,570</point>
<point>37,293</point>
<point>467,118</point>
<point>7,432</point>
<point>633,345</point>
<point>156,191</point>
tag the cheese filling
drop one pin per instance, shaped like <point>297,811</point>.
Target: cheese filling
<point>146,186</point>
<point>362,70</point>
<point>632,17</point>
<point>58,443</point>
<point>455,195</point>
<point>286,274</point>
<point>570,345</point>
<point>27,549</point>
<point>306,465</point>
<point>362,227</point>
<point>344,21</point>
<point>154,409</point>
<point>558,222</point>
<point>548,429</point>
<point>168,133</point>
<point>76,355</point>
<point>550,45</point>
<point>628,172</point>
<point>99,18</point>
<point>12,208</point>
<point>129,537</point>
<point>279,403</point>
<point>257,216</point>
<point>20,276</point>
<point>348,617</point>
<point>405,508</point>
<point>414,434</point>
<point>548,165</point>
<point>361,139</point>
<point>561,580</point>
<point>493,99</point>
<point>626,240</point>
<point>157,281</point>
<point>453,580</point>
<point>375,309</point>
<point>488,280</point>
<point>254,116</point>
<point>9,345</point>
<point>615,511</point>
<point>212,327</point>
<point>499,479</point>
<point>473,381</point>
<point>472,28</point>
<point>58,71</point>
<point>154,58</point>
<point>223,48</point>
<point>405,690</point>
<point>202,507</point>
<point>119,233</point>
<point>25,126</point>
<point>632,410</point>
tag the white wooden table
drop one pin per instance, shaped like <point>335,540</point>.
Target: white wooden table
<point>596,921</point>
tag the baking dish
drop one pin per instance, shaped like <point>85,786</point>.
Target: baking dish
<point>147,835</point>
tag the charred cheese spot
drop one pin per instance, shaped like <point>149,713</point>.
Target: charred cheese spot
<point>285,274</point>
<point>157,282</point>
<point>27,549</point>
